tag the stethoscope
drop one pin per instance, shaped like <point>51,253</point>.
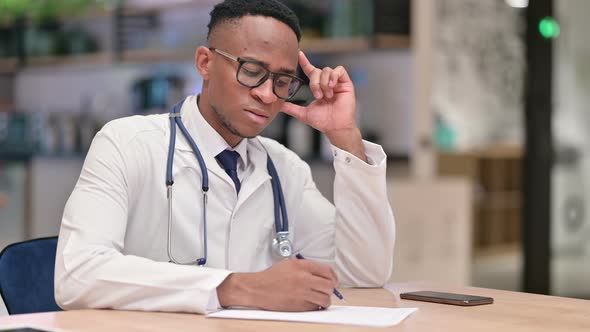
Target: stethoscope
<point>281,244</point>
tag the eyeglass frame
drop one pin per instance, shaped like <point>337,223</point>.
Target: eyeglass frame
<point>268,75</point>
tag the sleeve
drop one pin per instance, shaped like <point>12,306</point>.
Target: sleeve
<point>356,235</point>
<point>92,272</point>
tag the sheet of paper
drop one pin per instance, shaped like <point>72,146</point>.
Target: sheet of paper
<point>347,315</point>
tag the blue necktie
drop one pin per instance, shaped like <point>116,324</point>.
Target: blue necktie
<point>229,161</point>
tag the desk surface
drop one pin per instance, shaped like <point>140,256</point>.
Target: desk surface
<point>511,311</point>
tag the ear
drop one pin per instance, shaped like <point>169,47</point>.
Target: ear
<point>203,62</point>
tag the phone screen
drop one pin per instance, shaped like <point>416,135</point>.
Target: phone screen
<point>447,298</point>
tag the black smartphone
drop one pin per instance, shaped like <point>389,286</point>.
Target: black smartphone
<point>447,298</point>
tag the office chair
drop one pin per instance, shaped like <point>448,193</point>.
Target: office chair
<point>26,276</point>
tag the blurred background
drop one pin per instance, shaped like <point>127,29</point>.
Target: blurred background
<point>481,106</point>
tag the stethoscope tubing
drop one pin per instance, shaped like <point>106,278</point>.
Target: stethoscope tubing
<point>277,191</point>
<point>280,211</point>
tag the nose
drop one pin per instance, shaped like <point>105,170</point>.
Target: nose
<point>264,92</point>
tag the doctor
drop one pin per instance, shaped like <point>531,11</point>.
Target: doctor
<point>157,196</point>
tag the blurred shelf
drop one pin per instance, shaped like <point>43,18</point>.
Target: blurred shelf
<point>497,151</point>
<point>317,46</point>
<point>354,44</point>
<point>158,55</point>
<point>95,14</point>
<point>87,14</point>
<point>498,250</point>
<point>138,9</point>
<point>500,200</point>
<point>496,172</point>
<point>384,41</point>
<point>82,16</point>
<point>3,200</point>
<point>8,65</point>
<point>6,106</point>
<point>81,60</point>
<point>335,45</point>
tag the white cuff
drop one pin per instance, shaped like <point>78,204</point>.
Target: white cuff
<point>376,157</point>
<point>213,302</point>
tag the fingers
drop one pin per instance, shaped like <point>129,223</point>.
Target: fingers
<point>325,77</point>
<point>322,81</point>
<point>314,74</point>
<point>306,285</point>
<point>306,66</point>
<point>321,285</point>
<point>314,84</point>
<point>319,270</point>
<point>335,278</point>
<point>330,78</point>
<point>339,74</point>
<point>318,300</point>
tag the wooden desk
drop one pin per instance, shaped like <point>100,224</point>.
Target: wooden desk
<point>511,311</point>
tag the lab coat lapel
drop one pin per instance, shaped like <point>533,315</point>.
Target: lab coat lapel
<point>259,176</point>
<point>182,144</point>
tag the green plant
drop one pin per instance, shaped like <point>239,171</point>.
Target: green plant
<point>39,10</point>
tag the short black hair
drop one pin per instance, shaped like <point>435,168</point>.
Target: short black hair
<point>230,10</point>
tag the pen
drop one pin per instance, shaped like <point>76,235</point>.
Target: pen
<point>336,292</point>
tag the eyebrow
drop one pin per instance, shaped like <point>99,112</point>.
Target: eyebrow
<point>267,65</point>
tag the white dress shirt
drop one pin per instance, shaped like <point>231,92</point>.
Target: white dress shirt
<point>112,250</point>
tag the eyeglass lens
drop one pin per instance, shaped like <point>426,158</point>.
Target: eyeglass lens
<point>253,74</point>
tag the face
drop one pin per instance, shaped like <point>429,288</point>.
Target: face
<point>232,109</point>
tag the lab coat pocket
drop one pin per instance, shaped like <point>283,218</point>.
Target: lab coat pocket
<point>252,233</point>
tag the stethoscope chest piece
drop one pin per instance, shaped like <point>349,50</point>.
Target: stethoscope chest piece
<point>282,246</point>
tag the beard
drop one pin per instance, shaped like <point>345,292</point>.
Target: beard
<point>226,123</point>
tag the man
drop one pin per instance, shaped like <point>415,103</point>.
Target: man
<point>113,243</point>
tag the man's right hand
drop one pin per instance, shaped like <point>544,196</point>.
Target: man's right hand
<point>290,285</point>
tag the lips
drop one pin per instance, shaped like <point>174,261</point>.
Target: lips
<point>257,116</point>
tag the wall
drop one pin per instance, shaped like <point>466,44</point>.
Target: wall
<point>479,71</point>
<point>52,181</point>
<point>107,86</point>
<point>383,83</point>
<point>13,186</point>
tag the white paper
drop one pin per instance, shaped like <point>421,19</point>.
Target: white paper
<point>347,315</point>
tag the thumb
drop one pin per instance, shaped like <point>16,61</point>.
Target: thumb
<point>296,111</point>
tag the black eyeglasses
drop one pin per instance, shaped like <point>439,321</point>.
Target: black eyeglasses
<point>252,74</point>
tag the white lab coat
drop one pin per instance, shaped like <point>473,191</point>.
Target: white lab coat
<point>113,238</point>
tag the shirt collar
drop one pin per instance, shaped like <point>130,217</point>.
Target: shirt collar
<point>214,143</point>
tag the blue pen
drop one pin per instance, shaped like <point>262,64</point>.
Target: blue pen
<point>336,292</point>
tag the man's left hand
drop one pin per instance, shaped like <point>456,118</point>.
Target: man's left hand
<point>334,110</point>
